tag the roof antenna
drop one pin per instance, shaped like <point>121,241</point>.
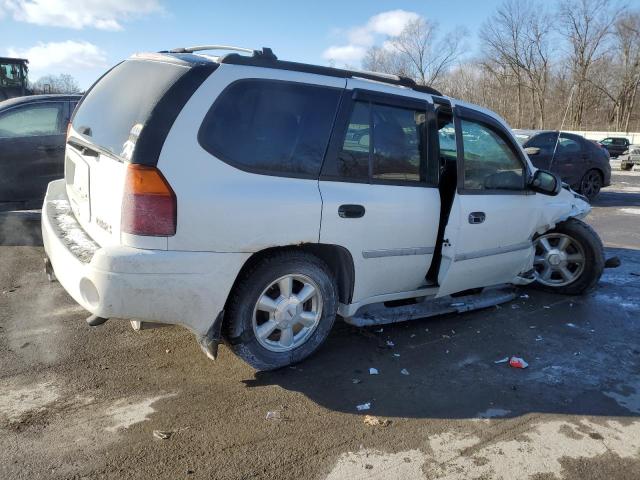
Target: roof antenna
<point>562,125</point>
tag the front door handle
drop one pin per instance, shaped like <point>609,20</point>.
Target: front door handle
<point>476,217</point>
<point>351,211</point>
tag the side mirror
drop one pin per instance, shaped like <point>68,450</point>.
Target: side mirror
<point>545,182</point>
<point>532,151</point>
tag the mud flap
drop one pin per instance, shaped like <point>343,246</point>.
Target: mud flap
<point>210,341</point>
<point>379,314</point>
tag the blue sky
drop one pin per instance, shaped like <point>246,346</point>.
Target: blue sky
<point>84,37</point>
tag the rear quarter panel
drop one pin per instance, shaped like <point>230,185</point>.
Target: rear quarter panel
<point>222,208</point>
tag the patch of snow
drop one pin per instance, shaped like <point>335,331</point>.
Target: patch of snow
<point>125,413</point>
<point>633,211</point>
<point>17,401</point>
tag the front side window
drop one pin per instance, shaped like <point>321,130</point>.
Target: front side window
<point>606,141</point>
<point>271,126</point>
<point>490,163</point>
<point>384,144</point>
<point>31,121</point>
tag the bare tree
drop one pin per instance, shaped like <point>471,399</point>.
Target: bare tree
<point>627,38</point>
<point>63,83</point>
<point>587,25</point>
<point>417,52</point>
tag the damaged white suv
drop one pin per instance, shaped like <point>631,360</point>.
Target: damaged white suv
<point>253,200</point>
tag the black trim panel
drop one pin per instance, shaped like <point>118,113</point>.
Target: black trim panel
<point>153,135</point>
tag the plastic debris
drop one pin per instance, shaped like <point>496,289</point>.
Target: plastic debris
<point>356,381</point>
<point>162,435</point>
<point>404,371</point>
<point>502,360</point>
<point>390,343</point>
<point>524,295</point>
<point>364,406</point>
<point>373,371</point>
<point>517,362</point>
<point>380,330</point>
<point>375,421</point>
<point>546,306</point>
<point>539,338</point>
<point>571,325</point>
<point>274,415</point>
<point>167,351</point>
<point>396,355</point>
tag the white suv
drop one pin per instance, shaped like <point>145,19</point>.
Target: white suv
<point>252,200</point>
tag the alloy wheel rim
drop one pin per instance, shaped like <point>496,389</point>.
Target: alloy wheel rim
<point>559,259</point>
<point>591,184</point>
<point>287,312</point>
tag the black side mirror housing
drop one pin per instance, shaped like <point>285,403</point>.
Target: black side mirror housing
<point>545,182</point>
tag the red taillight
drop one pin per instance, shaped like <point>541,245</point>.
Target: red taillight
<point>149,204</point>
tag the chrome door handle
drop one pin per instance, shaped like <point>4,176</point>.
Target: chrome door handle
<point>476,217</point>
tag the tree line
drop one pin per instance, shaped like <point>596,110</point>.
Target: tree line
<point>535,63</point>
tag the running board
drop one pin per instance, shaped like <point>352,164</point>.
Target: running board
<point>379,314</point>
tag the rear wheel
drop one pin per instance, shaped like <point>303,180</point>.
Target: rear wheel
<point>568,259</point>
<point>591,184</point>
<point>281,310</point>
<point>626,166</point>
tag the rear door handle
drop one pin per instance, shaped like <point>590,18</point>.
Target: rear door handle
<point>351,211</point>
<point>476,217</point>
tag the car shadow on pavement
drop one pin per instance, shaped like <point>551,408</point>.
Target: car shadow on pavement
<point>617,199</point>
<point>20,228</point>
<point>583,354</point>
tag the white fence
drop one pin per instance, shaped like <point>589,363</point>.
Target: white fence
<point>634,137</point>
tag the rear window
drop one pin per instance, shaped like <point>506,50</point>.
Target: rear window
<point>119,105</point>
<point>271,127</point>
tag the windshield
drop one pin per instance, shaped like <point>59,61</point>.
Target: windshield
<point>11,74</point>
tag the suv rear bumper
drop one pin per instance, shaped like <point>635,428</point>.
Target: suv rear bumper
<point>184,288</point>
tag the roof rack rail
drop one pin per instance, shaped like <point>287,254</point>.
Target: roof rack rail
<point>265,52</point>
<point>266,58</point>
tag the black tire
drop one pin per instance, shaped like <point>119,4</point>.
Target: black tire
<point>238,324</point>
<point>590,242</point>
<point>626,166</point>
<point>591,184</point>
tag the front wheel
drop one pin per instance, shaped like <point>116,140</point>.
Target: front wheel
<point>281,310</point>
<point>568,259</point>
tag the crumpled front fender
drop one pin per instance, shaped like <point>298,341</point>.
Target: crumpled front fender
<point>567,204</point>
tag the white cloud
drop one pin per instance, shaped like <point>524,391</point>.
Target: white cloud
<point>389,23</point>
<point>345,54</point>
<point>60,57</point>
<point>78,14</point>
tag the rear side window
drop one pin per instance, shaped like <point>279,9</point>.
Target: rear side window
<point>271,127</point>
<point>384,143</point>
<point>120,104</point>
<point>32,121</point>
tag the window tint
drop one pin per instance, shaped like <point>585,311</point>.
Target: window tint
<point>568,146</point>
<point>546,142</point>
<point>32,120</point>
<point>489,161</point>
<point>121,102</point>
<point>606,141</point>
<point>398,143</point>
<point>353,159</point>
<point>271,126</point>
<point>389,141</point>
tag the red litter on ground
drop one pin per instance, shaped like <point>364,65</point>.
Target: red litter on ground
<point>517,362</point>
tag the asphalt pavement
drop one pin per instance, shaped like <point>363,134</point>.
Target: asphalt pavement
<point>80,402</point>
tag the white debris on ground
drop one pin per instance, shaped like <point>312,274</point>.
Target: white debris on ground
<point>364,406</point>
<point>125,413</point>
<point>373,371</point>
<point>16,401</point>
<point>633,211</point>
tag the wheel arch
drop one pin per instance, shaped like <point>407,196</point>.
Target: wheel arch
<point>337,258</point>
